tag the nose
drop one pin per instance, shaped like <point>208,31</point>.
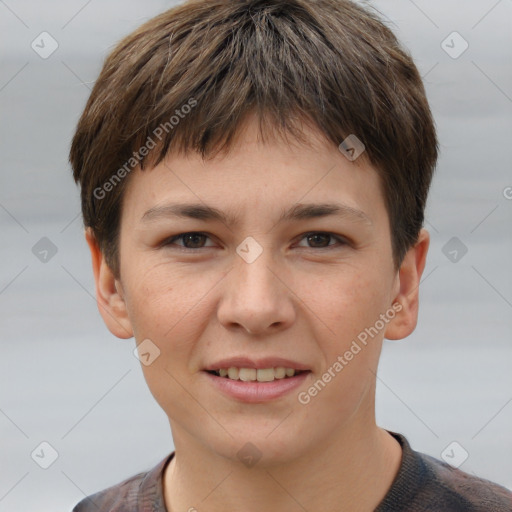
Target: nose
<point>255,298</point>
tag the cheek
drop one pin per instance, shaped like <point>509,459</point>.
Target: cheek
<point>152,299</point>
<point>168,308</point>
<point>347,304</point>
<point>350,308</point>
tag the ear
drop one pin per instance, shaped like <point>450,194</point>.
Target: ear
<point>109,292</point>
<point>408,283</point>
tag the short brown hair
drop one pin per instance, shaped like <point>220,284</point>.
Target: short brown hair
<point>328,61</point>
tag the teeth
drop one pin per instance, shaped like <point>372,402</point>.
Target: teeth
<point>280,372</point>
<point>252,374</point>
<point>247,374</point>
<point>265,375</point>
<point>233,373</point>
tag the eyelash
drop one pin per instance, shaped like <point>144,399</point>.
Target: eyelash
<point>170,241</point>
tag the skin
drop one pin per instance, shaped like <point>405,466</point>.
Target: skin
<point>304,299</point>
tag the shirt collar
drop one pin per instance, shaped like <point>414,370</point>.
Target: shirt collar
<point>151,491</point>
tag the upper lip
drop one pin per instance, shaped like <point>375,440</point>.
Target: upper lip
<point>261,363</point>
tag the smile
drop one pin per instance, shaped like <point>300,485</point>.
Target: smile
<point>253,374</point>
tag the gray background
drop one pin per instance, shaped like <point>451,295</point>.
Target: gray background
<point>67,381</point>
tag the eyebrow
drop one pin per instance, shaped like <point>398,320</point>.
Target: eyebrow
<point>295,213</point>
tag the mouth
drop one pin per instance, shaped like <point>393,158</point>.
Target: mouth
<point>256,375</point>
<point>256,385</point>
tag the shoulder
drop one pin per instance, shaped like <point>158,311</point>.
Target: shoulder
<point>130,495</point>
<point>426,484</point>
<point>113,498</point>
<point>474,493</point>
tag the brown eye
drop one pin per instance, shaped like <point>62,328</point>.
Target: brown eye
<point>320,240</point>
<point>191,240</point>
<point>194,239</point>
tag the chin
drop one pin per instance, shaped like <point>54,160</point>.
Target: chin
<point>257,446</point>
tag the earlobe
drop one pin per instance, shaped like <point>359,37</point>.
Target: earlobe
<point>109,293</point>
<point>407,296</point>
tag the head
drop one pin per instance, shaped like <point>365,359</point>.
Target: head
<point>241,107</point>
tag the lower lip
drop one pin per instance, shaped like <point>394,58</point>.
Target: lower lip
<point>255,392</point>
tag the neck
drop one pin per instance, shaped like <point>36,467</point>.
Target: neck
<point>352,473</point>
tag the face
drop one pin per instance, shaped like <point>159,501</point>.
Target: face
<point>273,256</point>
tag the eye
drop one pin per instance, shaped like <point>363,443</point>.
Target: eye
<point>192,240</point>
<point>196,240</point>
<point>320,239</point>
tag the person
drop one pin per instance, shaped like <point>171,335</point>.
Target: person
<point>254,175</point>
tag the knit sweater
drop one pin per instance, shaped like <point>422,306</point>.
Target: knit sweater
<point>423,484</point>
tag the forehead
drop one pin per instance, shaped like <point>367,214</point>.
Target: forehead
<point>256,178</point>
